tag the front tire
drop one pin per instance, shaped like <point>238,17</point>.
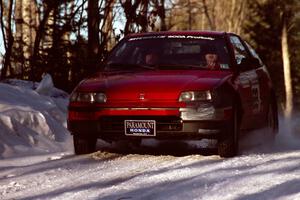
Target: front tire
<point>84,145</point>
<point>229,144</point>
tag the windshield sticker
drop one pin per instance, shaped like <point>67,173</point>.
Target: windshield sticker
<point>176,36</point>
<point>171,37</point>
<point>148,37</point>
<point>224,66</point>
<point>199,37</point>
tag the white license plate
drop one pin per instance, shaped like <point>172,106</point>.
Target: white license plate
<point>140,127</point>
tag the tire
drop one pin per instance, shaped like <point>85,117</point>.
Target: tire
<point>228,145</point>
<point>84,145</point>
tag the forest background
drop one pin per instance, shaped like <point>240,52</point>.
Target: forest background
<point>70,38</point>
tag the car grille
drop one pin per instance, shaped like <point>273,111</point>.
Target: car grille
<point>116,124</point>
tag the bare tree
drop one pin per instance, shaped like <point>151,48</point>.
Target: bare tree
<point>7,38</point>
<point>185,15</point>
<point>130,10</point>
<point>107,30</point>
<point>26,22</point>
<point>156,18</point>
<point>93,33</point>
<point>209,15</point>
<point>225,15</point>
<point>287,68</point>
<point>161,11</point>
<point>49,6</point>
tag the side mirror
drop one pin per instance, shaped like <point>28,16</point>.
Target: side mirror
<point>248,63</point>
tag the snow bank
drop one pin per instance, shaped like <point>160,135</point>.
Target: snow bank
<point>32,123</point>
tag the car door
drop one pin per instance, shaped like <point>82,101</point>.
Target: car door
<point>248,84</point>
<point>264,88</point>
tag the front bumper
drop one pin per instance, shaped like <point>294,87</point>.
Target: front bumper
<point>112,128</point>
<point>172,123</point>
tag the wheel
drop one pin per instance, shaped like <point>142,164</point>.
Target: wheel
<point>84,145</point>
<point>228,145</point>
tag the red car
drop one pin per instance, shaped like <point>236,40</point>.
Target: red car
<point>174,85</point>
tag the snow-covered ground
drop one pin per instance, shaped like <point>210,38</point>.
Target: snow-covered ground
<point>37,160</point>
<point>32,121</point>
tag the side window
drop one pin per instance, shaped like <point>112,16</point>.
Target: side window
<point>240,51</point>
<point>254,54</point>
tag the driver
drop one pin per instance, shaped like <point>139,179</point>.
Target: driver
<point>151,58</point>
<point>212,60</point>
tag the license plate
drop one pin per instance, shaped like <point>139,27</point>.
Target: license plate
<point>140,127</point>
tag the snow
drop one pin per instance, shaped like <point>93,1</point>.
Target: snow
<point>37,160</point>
<point>31,123</point>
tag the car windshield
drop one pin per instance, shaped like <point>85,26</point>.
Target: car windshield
<point>170,52</point>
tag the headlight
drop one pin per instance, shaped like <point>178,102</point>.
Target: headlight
<point>88,97</point>
<point>195,96</point>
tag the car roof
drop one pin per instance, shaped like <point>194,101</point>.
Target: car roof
<point>200,33</point>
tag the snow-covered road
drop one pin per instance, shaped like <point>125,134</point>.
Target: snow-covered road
<point>37,161</point>
<point>260,172</point>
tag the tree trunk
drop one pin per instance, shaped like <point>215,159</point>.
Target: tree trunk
<point>287,71</point>
<point>93,34</point>
<point>107,39</point>
<point>18,45</point>
<point>208,16</point>
<point>190,19</point>
<point>162,15</point>
<point>2,25</point>
<point>143,22</point>
<point>39,35</point>
<point>232,15</point>
<point>130,14</point>
<point>29,27</point>
<point>7,70</point>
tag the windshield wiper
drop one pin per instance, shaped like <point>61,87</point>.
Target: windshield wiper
<point>127,66</point>
<point>179,66</point>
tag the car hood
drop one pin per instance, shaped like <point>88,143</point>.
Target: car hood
<point>160,85</point>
